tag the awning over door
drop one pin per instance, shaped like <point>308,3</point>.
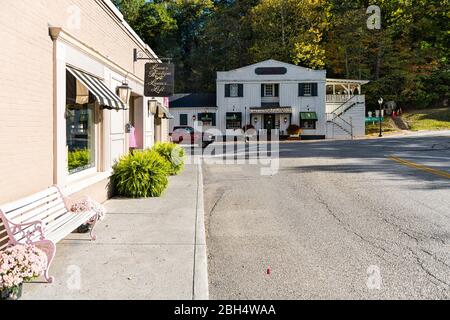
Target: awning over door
<point>271,110</point>
<point>308,116</point>
<point>234,116</point>
<point>99,90</point>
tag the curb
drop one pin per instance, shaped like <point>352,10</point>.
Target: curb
<point>201,285</point>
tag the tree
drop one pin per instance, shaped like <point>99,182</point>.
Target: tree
<point>131,9</point>
<point>290,31</point>
<point>407,60</point>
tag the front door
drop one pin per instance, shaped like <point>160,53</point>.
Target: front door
<point>269,122</point>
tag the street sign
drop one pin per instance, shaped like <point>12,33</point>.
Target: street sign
<point>159,79</point>
<point>374,119</point>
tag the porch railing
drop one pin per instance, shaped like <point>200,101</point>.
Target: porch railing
<point>338,98</point>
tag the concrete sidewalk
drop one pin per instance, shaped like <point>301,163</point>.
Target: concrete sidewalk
<point>146,249</point>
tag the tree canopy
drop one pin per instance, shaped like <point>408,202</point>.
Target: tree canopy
<point>407,60</point>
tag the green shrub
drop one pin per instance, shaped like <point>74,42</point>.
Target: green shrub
<point>140,175</point>
<point>174,154</point>
<point>78,158</point>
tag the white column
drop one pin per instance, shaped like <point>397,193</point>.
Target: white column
<point>60,168</point>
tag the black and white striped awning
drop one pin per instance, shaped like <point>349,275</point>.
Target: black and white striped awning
<point>99,90</point>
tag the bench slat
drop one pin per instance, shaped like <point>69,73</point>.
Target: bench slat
<point>32,207</point>
<point>60,222</point>
<point>40,213</point>
<point>46,221</point>
<point>4,237</point>
<point>28,200</point>
<point>61,233</point>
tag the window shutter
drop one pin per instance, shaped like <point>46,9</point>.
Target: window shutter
<point>262,90</point>
<point>314,89</point>
<point>227,91</point>
<point>277,90</point>
<point>213,119</point>
<point>301,90</point>
<point>240,90</point>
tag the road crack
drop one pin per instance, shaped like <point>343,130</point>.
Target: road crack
<point>347,226</point>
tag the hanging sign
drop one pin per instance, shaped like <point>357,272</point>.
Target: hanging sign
<point>159,79</point>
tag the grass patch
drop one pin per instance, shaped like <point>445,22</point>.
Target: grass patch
<point>431,119</point>
<point>387,125</point>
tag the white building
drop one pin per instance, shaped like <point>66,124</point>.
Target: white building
<point>273,95</point>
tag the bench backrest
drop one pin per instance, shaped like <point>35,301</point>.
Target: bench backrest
<point>45,206</point>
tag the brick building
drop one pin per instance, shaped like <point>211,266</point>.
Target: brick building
<point>63,122</point>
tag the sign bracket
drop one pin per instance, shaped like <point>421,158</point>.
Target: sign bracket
<point>139,55</point>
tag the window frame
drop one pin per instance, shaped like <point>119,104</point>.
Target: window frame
<point>233,121</point>
<point>307,87</point>
<point>97,152</point>
<point>182,115</point>
<point>272,87</point>
<point>312,127</point>
<point>96,136</point>
<point>234,86</point>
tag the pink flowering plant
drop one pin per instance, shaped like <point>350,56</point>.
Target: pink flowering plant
<point>20,263</point>
<point>87,204</point>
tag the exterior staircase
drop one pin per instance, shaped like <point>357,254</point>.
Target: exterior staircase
<point>336,119</point>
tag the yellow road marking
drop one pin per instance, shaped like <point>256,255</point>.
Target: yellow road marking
<point>421,167</point>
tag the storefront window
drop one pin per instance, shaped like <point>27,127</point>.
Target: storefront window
<point>207,119</point>
<point>80,128</point>
<point>308,124</point>
<point>234,120</point>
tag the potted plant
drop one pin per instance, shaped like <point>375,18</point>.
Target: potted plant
<point>19,263</point>
<point>294,131</point>
<point>87,204</point>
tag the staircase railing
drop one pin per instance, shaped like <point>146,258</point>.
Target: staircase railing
<point>341,123</point>
<point>343,106</point>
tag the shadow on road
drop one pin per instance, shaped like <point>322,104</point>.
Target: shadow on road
<point>361,156</point>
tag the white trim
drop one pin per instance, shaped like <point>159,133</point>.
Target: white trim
<point>346,81</point>
<point>79,185</point>
<point>81,175</point>
<point>60,35</point>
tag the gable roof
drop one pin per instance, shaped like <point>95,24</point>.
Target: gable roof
<point>272,62</point>
<point>272,70</point>
<point>193,100</point>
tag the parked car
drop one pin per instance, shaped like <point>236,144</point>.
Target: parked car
<point>188,135</point>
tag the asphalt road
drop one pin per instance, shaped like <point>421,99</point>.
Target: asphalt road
<point>338,220</point>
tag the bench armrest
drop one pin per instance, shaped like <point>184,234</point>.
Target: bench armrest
<point>27,230</point>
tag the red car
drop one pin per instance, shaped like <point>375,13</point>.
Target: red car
<point>187,135</point>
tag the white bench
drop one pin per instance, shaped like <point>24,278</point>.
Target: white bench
<point>42,219</point>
